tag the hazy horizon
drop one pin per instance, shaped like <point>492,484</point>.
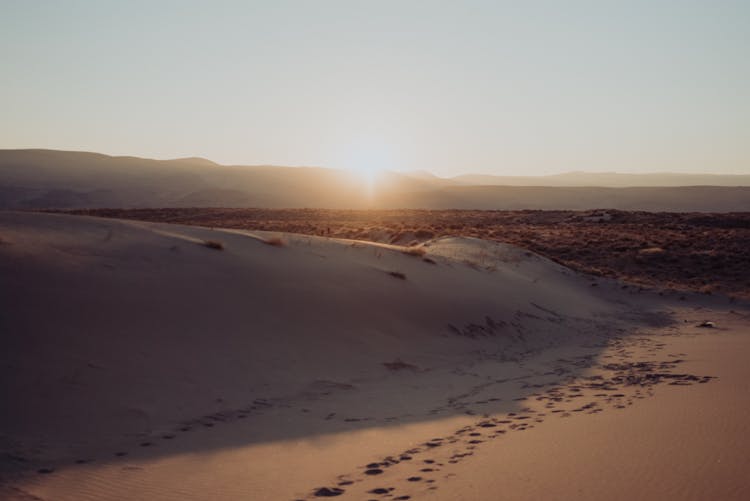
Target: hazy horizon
<point>408,172</point>
<point>476,88</point>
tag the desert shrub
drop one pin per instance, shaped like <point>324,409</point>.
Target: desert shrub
<point>396,236</point>
<point>423,234</point>
<point>274,241</point>
<point>397,274</point>
<point>213,244</point>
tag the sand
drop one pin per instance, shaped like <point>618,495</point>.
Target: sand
<point>140,363</point>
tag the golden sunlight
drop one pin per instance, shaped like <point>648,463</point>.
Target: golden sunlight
<point>366,161</point>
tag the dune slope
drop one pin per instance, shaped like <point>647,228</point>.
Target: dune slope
<point>159,361</point>
<point>120,315</point>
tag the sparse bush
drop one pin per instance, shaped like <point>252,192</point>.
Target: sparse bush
<point>423,234</point>
<point>274,241</point>
<point>397,274</point>
<point>213,244</point>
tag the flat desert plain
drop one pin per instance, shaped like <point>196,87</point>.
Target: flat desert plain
<point>146,360</point>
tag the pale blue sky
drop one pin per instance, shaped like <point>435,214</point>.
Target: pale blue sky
<point>526,87</point>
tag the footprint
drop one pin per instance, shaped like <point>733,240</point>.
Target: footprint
<point>381,490</point>
<point>328,492</point>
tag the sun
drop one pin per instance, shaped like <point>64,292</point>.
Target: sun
<point>366,170</point>
<point>365,179</point>
<point>367,163</point>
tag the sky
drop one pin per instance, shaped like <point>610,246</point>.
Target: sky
<point>509,88</point>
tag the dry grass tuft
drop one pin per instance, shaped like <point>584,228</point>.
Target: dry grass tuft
<point>397,274</point>
<point>651,251</point>
<point>213,244</point>
<point>274,241</point>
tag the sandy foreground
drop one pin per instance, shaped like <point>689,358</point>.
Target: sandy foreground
<point>140,363</point>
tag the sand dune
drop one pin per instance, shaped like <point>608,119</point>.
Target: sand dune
<point>141,363</point>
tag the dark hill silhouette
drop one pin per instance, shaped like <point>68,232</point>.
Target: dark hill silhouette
<point>35,179</point>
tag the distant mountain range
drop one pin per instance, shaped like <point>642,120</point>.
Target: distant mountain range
<point>608,180</point>
<point>33,179</point>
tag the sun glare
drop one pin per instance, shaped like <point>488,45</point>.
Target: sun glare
<point>366,163</point>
